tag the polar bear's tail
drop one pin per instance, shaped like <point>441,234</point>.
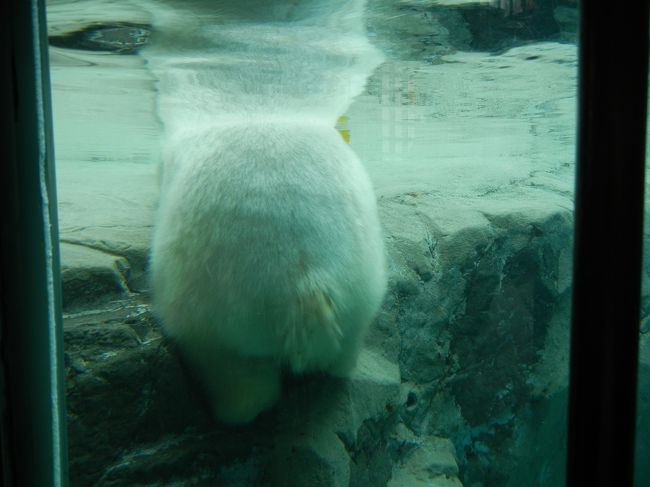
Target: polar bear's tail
<point>312,336</point>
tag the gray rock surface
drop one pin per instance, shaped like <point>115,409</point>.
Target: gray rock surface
<point>458,352</point>
<point>425,30</point>
<point>135,417</point>
<point>426,461</point>
<point>88,275</point>
<point>476,306</point>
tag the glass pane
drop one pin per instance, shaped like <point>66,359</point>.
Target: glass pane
<point>279,124</point>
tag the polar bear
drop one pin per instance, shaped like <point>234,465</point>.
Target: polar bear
<point>267,255</point>
<point>267,252</point>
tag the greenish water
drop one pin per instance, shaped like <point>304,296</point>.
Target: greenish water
<point>464,119</point>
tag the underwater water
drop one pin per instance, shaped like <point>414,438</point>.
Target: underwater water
<point>462,115</point>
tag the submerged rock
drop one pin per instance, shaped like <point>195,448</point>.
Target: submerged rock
<point>120,38</point>
<point>425,30</point>
<point>428,461</point>
<point>89,275</point>
<point>471,336</point>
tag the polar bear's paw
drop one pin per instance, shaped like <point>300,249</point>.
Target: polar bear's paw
<point>242,402</point>
<point>238,388</point>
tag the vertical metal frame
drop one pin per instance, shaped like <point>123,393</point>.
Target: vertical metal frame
<point>613,77</point>
<point>33,412</point>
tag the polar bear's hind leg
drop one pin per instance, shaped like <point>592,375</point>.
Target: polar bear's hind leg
<point>317,338</point>
<point>238,388</point>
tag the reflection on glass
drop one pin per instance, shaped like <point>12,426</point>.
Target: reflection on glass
<point>463,116</point>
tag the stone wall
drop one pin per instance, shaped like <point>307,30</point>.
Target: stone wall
<point>466,355</point>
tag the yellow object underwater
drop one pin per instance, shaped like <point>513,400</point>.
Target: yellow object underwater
<point>341,126</point>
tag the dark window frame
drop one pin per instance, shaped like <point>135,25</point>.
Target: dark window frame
<point>33,432</point>
<point>609,204</point>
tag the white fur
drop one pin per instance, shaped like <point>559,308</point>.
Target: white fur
<point>267,251</point>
